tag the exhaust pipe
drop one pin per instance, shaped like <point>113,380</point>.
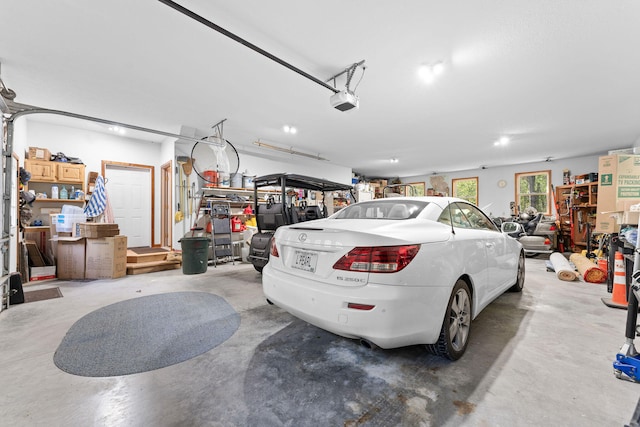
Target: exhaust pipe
<point>367,344</point>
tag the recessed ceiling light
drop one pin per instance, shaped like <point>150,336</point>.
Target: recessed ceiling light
<point>393,160</point>
<point>289,129</point>
<point>428,73</point>
<point>504,140</point>
<point>438,68</point>
<point>117,129</point>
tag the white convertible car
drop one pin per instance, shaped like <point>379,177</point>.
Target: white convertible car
<point>395,272</point>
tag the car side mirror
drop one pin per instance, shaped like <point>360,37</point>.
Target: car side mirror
<point>511,227</point>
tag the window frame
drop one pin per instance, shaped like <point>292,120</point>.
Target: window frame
<point>519,193</point>
<point>465,219</point>
<point>454,189</point>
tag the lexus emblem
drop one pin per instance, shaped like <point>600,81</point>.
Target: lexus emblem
<point>302,237</point>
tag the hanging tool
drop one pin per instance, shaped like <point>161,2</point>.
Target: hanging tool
<point>193,199</point>
<point>179,214</point>
<point>187,167</point>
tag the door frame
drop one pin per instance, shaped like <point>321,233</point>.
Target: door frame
<point>151,169</point>
<point>166,205</point>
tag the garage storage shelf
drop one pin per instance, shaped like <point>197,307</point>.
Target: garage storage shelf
<point>577,207</point>
<point>44,175</point>
<point>238,198</point>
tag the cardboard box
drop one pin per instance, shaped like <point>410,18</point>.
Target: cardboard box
<point>92,230</point>
<point>70,258</point>
<point>619,181</point>
<point>106,257</point>
<point>42,273</point>
<point>37,153</point>
<point>631,218</point>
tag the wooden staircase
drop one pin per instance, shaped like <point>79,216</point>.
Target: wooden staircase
<point>150,260</point>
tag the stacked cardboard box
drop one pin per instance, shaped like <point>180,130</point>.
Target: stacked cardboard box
<point>94,230</point>
<point>95,251</point>
<point>37,153</point>
<point>618,190</point>
<point>106,257</point>
<point>70,258</point>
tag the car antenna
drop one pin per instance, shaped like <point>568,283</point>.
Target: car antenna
<point>453,231</point>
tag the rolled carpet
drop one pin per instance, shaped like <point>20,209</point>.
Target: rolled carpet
<point>562,267</point>
<point>589,271</point>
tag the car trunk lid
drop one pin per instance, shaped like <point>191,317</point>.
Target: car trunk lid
<point>314,248</point>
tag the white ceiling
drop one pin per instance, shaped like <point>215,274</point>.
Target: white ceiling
<point>560,78</point>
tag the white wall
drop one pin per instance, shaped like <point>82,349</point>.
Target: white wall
<point>497,199</point>
<point>92,148</point>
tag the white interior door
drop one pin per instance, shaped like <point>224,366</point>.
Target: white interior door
<point>129,190</point>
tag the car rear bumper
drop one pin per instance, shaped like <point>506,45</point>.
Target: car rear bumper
<point>536,244</point>
<point>403,315</point>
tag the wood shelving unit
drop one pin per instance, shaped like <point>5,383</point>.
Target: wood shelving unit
<point>577,207</point>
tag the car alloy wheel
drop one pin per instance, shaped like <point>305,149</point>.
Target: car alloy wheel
<point>517,287</point>
<point>456,326</point>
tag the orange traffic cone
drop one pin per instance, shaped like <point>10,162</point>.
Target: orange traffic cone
<point>619,294</point>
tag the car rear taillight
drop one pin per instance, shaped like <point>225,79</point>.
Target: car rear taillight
<point>357,306</point>
<point>274,251</point>
<point>547,241</point>
<point>552,227</point>
<point>378,259</point>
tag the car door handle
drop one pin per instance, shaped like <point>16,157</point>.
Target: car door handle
<point>489,244</point>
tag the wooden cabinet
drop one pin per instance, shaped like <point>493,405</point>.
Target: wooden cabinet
<point>44,176</point>
<point>70,173</point>
<point>41,171</point>
<point>59,172</point>
<point>577,207</point>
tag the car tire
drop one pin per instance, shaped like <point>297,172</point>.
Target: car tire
<point>519,285</point>
<point>456,326</point>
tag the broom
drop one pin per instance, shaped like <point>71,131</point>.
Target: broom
<point>181,160</point>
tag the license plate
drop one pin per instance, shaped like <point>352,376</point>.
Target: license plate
<point>304,260</point>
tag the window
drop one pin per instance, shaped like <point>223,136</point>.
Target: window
<point>466,188</point>
<point>382,209</point>
<point>532,191</point>
<point>466,216</point>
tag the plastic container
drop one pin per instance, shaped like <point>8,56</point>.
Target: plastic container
<point>195,251</point>
<point>236,180</point>
<point>54,192</point>
<point>236,224</point>
<point>603,264</point>
<point>210,178</point>
<point>224,179</point>
<point>63,193</point>
<point>247,181</point>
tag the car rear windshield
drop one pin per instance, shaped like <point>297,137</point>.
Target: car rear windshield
<point>383,209</point>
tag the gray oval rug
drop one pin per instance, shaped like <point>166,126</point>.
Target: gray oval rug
<point>146,333</point>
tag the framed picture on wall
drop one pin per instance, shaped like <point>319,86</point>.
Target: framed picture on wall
<point>414,189</point>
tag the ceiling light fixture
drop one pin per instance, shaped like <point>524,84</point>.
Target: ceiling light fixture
<point>289,129</point>
<point>117,129</point>
<point>504,140</point>
<point>429,72</point>
<point>287,150</point>
<point>393,160</point>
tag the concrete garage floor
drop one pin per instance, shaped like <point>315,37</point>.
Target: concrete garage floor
<point>540,358</point>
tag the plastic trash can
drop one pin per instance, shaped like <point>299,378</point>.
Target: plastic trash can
<point>195,251</point>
